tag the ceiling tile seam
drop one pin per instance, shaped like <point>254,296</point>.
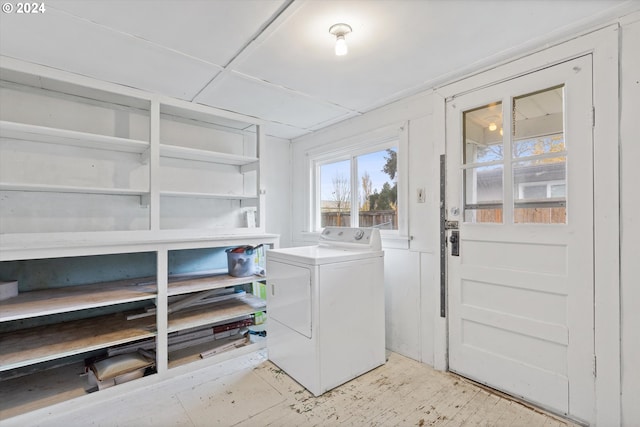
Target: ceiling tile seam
<point>292,127</point>
<point>292,91</point>
<point>124,33</point>
<point>233,112</point>
<point>278,19</point>
<point>347,112</point>
<point>276,122</point>
<point>265,30</point>
<point>318,126</point>
<point>258,35</point>
<point>335,120</point>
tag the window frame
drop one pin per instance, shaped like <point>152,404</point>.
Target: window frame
<point>380,140</point>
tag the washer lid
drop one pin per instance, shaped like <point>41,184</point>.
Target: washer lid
<point>318,255</point>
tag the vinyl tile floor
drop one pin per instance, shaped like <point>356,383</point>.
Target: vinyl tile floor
<point>250,391</point>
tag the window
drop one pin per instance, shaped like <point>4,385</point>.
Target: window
<point>483,164</point>
<point>358,189</point>
<point>532,156</point>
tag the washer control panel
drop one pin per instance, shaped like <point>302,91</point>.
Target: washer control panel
<point>347,237</point>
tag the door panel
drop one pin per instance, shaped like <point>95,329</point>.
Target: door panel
<point>289,296</point>
<point>520,294</point>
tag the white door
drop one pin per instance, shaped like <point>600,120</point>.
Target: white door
<point>520,183</point>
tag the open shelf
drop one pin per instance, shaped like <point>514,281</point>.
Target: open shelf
<point>40,344</point>
<point>192,354</point>
<point>202,315</point>
<point>75,212</point>
<point>208,283</point>
<point>49,135</point>
<point>207,195</point>
<point>72,298</point>
<point>71,189</point>
<point>44,388</point>
<point>185,153</point>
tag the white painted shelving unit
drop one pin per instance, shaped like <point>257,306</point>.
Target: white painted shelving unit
<point>104,190</point>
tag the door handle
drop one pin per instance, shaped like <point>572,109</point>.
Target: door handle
<point>455,243</point>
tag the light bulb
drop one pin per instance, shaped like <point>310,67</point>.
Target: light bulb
<point>492,127</point>
<point>341,46</point>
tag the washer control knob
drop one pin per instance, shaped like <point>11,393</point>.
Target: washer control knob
<point>359,234</point>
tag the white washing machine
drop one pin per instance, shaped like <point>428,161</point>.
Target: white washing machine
<point>325,305</point>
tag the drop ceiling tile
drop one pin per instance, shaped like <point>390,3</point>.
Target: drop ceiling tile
<point>57,39</point>
<point>255,98</point>
<point>213,31</point>
<point>399,47</point>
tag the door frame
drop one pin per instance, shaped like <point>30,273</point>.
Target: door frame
<point>563,383</point>
<point>603,44</point>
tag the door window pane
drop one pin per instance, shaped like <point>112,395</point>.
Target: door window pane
<point>378,189</point>
<point>483,134</point>
<point>539,183</point>
<point>483,194</point>
<point>335,194</point>
<point>540,190</point>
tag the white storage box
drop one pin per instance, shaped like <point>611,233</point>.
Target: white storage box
<point>8,290</point>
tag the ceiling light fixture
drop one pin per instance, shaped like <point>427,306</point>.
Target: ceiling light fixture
<point>492,127</point>
<point>340,30</point>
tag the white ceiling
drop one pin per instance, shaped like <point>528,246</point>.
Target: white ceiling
<point>273,59</point>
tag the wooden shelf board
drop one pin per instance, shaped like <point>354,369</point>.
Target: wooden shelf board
<point>42,343</point>
<point>72,298</point>
<point>16,246</point>
<point>44,388</point>
<point>207,283</point>
<point>49,135</point>
<point>207,195</point>
<point>71,189</point>
<point>216,312</point>
<point>192,354</point>
<point>186,153</point>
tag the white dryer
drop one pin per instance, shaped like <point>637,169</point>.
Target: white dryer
<point>325,305</point>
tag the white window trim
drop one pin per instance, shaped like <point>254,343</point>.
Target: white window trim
<point>349,148</point>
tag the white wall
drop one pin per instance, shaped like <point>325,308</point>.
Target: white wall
<point>630,220</point>
<point>276,154</point>
<point>411,263</point>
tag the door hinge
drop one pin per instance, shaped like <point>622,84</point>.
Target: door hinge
<point>595,366</point>
<point>593,116</point>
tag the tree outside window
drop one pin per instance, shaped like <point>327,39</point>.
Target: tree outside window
<point>374,195</point>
